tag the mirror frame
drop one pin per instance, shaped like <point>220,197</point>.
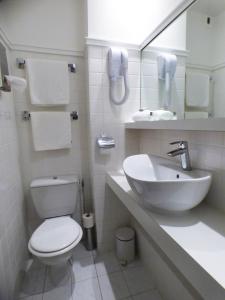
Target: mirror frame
<point>179,10</point>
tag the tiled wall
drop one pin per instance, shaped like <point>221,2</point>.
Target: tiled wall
<point>13,243</point>
<point>105,117</point>
<point>207,151</point>
<point>152,88</point>
<point>36,164</point>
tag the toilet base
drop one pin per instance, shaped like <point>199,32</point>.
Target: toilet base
<point>58,260</point>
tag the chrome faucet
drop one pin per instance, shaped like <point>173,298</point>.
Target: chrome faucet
<point>182,150</point>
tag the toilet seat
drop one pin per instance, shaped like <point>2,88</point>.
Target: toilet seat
<point>55,236</point>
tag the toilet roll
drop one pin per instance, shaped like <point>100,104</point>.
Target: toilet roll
<point>88,220</point>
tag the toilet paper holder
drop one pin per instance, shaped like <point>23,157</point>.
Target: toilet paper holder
<point>6,87</point>
<point>105,142</point>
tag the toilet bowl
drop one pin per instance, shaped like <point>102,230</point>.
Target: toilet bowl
<point>54,240</point>
<point>55,200</point>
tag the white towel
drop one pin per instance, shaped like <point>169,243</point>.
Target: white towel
<point>48,82</point>
<point>197,90</point>
<point>51,130</point>
<point>196,115</point>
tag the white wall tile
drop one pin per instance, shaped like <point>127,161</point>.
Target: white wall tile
<point>108,118</point>
<point>12,226</point>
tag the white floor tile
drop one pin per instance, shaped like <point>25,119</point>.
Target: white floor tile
<point>86,290</point>
<point>134,264</point>
<point>58,276</point>
<point>151,295</point>
<point>84,269</point>
<point>33,282</point>
<point>138,280</point>
<point>60,293</point>
<point>113,286</point>
<point>106,263</point>
<point>80,252</point>
<point>34,297</point>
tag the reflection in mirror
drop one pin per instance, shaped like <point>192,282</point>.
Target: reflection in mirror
<point>183,69</point>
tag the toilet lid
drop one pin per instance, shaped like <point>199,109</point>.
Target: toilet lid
<point>55,234</point>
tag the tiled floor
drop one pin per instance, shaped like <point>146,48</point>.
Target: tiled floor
<point>91,277</point>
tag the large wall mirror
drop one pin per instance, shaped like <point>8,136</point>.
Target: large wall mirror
<point>183,68</point>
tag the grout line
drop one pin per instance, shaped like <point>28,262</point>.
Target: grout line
<point>45,282</point>
<point>130,294</point>
<point>97,277</point>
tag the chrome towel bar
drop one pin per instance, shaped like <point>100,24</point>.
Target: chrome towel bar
<point>21,65</point>
<point>26,115</point>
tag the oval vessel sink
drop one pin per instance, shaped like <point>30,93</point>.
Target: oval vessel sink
<point>163,185</point>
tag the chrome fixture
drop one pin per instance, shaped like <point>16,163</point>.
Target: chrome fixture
<point>26,115</point>
<point>21,65</point>
<point>182,150</point>
<point>105,142</point>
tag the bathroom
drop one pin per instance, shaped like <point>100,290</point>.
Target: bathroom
<point>89,105</point>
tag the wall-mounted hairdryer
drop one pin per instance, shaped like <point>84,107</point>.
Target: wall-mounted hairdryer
<point>117,68</point>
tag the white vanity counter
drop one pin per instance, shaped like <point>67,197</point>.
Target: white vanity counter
<point>194,242</point>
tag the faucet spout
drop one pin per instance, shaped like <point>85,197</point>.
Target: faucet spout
<point>175,152</point>
<point>182,150</point>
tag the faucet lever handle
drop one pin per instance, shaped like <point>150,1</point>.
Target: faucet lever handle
<point>177,142</point>
<point>181,144</point>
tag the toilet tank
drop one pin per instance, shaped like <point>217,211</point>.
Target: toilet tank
<point>54,196</point>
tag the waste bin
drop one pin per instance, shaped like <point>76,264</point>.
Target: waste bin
<point>125,245</point>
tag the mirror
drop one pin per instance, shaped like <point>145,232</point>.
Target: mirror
<point>183,68</point>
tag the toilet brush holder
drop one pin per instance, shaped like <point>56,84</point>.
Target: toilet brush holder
<point>89,231</point>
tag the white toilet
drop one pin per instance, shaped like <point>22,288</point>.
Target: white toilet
<point>55,200</point>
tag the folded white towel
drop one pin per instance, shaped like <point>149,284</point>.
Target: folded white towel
<point>51,130</point>
<point>196,115</point>
<point>197,89</point>
<point>48,82</point>
<point>141,115</point>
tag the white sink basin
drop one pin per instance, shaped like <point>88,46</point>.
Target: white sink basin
<point>163,185</point>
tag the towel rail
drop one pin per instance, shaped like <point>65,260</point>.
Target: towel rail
<point>21,65</point>
<point>26,115</point>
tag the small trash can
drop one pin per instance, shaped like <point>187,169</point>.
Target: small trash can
<point>125,245</point>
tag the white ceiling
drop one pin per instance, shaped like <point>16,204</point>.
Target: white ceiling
<point>210,7</point>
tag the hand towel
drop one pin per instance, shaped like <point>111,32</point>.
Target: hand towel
<point>197,89</point>
<point>141,115</point>
<point>48,82</point>
<point>51,130</point>
<point>196,115</point>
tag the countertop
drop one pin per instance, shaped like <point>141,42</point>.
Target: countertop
<point>194,241</point>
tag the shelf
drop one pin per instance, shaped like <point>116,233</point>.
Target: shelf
<point>193,242</point>
<point>202,125</point>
